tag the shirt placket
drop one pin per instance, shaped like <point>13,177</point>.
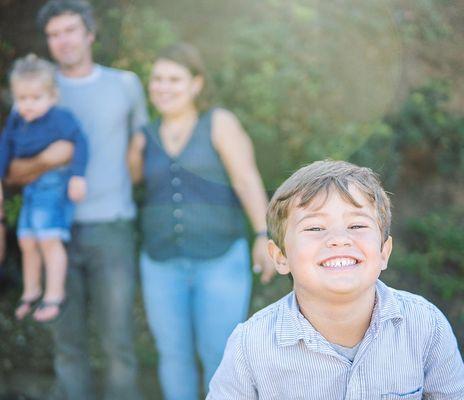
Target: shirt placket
<point>356,388</point>
<point>177,204</point>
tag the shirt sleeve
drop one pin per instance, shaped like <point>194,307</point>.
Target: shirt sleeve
<point>233,379</point>
<point>139,114</point>
<point>72,132</point>
<point>444,368</point>
<point>5,146</point>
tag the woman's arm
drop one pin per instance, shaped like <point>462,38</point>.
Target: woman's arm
<point>236,151</point>
<point>135,156</point>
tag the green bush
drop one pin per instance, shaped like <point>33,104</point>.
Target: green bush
<point>435,253</point>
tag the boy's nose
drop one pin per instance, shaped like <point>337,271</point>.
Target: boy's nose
<point>339,239</point>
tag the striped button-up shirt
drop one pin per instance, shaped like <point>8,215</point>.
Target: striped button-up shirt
<point>409,352</point>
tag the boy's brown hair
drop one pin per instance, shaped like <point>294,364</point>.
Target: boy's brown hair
<point>322,176</point>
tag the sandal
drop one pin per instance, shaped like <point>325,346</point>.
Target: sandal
<point>27,305</point>
<point>49,316</point>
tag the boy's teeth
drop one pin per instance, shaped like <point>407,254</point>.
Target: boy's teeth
<point>339,262</point>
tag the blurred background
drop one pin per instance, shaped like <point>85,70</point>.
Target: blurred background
<point>377,83</point>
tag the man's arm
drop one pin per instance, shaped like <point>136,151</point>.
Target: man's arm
<point>24,170</point>
<point>135,156</point>
<point>139,113</point>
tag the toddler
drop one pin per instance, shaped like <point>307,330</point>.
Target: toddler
<point>47,209</point>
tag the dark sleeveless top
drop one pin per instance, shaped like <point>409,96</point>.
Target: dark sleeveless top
<point>190,209</point>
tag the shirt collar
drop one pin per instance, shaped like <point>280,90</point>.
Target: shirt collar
<point>291,325</point>
<point>92,77</point>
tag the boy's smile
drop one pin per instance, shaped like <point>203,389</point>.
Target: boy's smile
<point>333,249</point>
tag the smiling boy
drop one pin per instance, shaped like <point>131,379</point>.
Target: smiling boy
<point>341,333</point>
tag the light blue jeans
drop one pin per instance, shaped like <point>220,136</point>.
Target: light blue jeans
<point>192,307</point>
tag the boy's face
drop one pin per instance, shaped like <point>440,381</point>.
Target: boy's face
<point>333,248</point>
<point>69,41</point>
<point>33,98</point>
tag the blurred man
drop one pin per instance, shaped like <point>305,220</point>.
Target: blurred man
<point>101,280</point>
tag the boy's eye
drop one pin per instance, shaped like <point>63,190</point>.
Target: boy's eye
<point>313,229</point>
<point>358,226</point>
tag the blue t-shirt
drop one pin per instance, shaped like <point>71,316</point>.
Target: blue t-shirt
<point>22,139</point>
<point>110,105</point>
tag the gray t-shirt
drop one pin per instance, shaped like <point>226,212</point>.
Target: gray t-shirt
<point>110,105</point>
<point>347,352</point>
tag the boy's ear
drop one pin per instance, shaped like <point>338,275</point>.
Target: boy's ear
<point>386,251</point>
<point>279,259</point>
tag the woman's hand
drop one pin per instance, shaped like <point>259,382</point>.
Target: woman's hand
<point>262,262</point>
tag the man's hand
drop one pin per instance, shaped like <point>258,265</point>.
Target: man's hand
<point>262,262</point>
<point>77,188</point>
<point>25,170</point>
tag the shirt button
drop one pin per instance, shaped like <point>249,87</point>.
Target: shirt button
<point>176,181</point>
<point>178,228</point>
<point>177,197</point>
<point>174,167</point>
<point>177,213</point>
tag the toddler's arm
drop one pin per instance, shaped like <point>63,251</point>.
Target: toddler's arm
<point>77,188</point>
<point>69,129</point>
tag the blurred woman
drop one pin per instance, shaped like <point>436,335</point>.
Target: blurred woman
<point>200,176</point>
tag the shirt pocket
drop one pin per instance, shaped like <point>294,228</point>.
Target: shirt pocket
<point>412,395</point>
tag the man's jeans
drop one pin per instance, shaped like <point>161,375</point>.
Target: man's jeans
<point>192,307</point>
<point>101,281</point>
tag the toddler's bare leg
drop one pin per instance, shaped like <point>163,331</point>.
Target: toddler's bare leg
<point>31,263</point>
<point>56,260</point>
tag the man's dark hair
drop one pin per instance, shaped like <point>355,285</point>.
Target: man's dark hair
<point>54,8</point>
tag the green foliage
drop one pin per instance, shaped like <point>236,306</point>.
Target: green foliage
<point>427,134</point>
<point>11,207</point>
<point>292,72</point>
<point>422,136</point>
<point>435,252</point>
<point>423,20</point>
<point>143,32</point>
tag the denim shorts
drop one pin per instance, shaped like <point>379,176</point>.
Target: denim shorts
<point>46,211</point>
